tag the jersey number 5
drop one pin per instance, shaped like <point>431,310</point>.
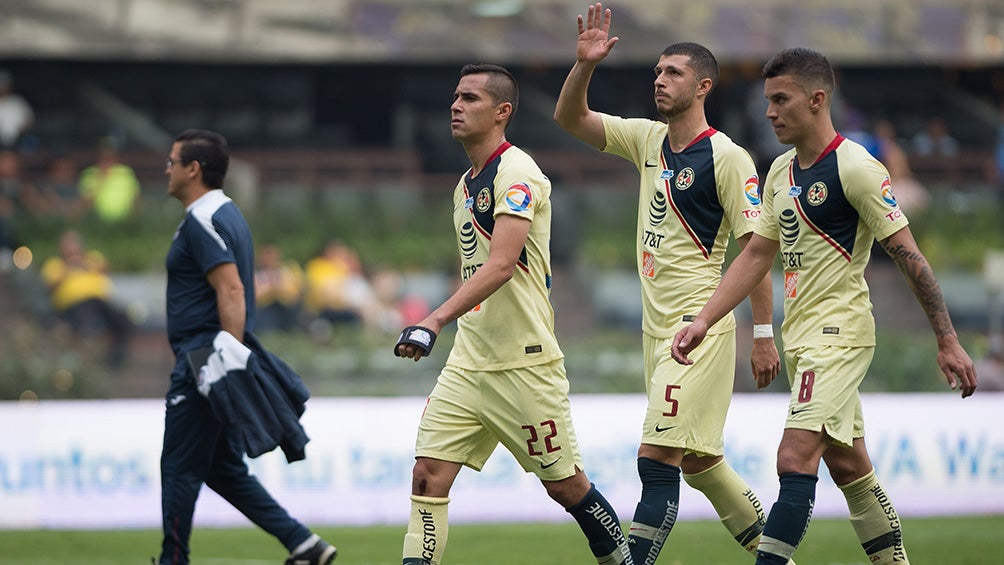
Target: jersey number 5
<point>674,404</point>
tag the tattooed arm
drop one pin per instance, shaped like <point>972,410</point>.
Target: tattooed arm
<point>952,358</point>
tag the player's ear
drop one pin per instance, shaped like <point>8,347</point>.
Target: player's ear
<point>818,100</point>
<point>503,111</point>
<point>196,171</point>
<point>704,86</point>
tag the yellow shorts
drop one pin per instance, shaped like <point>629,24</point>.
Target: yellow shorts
<point>687,404</point>
<point>526,409</point>
<point>824,383</point>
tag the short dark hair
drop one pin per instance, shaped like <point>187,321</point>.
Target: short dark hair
<point>501,85</point>
<point>701,59</point>
<point>809,68</point>
<point>210,150</point>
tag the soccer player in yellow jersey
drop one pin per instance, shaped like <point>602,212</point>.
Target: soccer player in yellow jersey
<point>824,203</point>
<point>504,381</point>
<point>697,186</point>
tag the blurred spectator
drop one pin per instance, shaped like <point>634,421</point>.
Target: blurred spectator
<point>336,287</point>
<point>997,169</point>
<point>278,286</point>
<point>911,195</point>
<point>16,115</point>
<point>59,187</point>
<point>80,292</point>
<point>110,186</point>
<point>854,126</point>
<point>16,197</point>
<point>935,140</point>
<point>391,308</point>
<point>762,142</point>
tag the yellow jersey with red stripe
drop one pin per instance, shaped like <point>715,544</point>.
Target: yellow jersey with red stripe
<point>514,327</point>
<point>826,215</point>
<point>688,204</point>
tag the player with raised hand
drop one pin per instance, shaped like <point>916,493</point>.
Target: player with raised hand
<point>696,187</point>
<point>824,203</point>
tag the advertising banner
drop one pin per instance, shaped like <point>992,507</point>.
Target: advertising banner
<point>95,464</point>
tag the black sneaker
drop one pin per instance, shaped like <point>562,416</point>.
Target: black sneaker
<point>321,553</point>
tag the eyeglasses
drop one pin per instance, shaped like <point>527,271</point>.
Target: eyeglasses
<point>171,162</point>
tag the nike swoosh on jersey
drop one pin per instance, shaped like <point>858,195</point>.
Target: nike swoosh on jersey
<point>659,429</point>
<point>650,165</point>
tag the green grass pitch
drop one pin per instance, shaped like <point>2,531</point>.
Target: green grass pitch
<point>932,541</point>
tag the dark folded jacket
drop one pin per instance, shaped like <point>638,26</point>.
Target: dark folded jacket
<point>257,395</point>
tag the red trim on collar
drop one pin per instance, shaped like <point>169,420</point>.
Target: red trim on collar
<point>831,147</point>
<point>706,133</point>
<point>501,149</point>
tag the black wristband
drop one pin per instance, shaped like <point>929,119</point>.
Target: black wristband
<point>419,336</point>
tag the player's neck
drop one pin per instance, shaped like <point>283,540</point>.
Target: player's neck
<point>684,129</point>
<point>814,144</point>
<point>479,151</point>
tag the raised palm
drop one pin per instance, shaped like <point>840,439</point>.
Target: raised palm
<point>594,42</point>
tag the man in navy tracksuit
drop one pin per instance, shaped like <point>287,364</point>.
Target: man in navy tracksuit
<point>210,289</point>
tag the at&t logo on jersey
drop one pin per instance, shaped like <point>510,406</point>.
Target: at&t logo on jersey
<point>468,240</point>
<point>657,209</point>
<point>518,197</point>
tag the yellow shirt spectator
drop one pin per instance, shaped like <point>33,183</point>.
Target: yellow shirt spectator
<point>74,281</point>
<point>112,190</point>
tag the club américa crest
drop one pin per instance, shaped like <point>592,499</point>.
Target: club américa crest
<point>816,194</point>
<point>484,199</point>
<point>685,179</point>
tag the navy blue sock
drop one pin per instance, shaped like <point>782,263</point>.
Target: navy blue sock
<point>788,519</point>
<point>655,514</point>
<point>599,522</point>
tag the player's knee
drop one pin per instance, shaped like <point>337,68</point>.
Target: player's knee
<point>845,471</point>
<point>794,461</point>
<point>570,491</point>
<point>429,479</point>
<point>847,465</point>
<point>693,464</point>
<point>661,453</point>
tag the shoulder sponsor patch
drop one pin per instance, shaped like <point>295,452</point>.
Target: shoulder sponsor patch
<point>752,189</point>
<point>518,197</point>
<point>887,195</point>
